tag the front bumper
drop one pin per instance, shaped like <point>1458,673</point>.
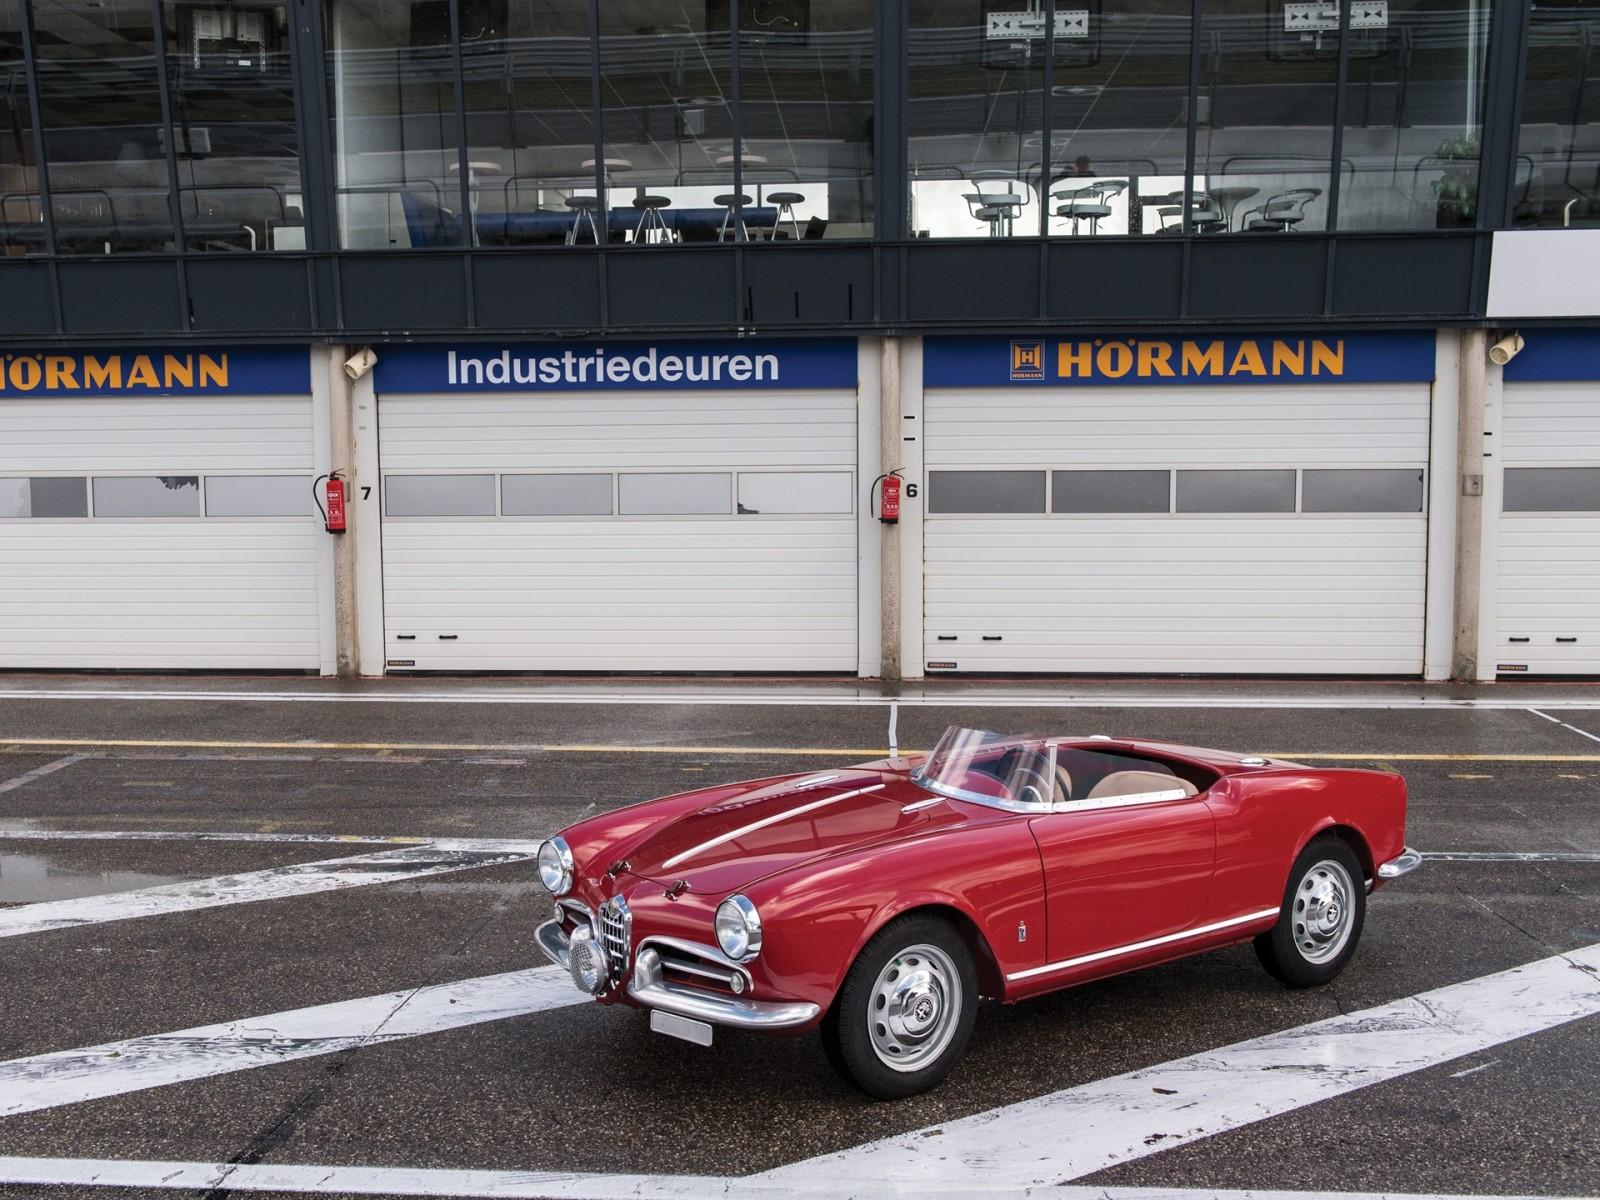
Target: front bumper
<point>1407,861</point>
<point>647,988</point>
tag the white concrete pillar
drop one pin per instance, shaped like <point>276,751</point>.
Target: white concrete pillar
<point>913,499</point>
<point>1474,551</point>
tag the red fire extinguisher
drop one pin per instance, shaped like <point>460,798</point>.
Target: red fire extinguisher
<point>332,516</point>
<point>889,499</point>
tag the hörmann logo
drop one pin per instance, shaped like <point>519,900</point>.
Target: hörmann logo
<point>596,366</point>
<point>1200,358</point>
<point>113,372</point>
<point>1027,360</point>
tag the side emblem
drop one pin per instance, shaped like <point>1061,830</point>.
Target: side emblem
<point>1022,931</point>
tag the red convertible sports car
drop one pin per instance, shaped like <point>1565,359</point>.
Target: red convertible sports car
<point>882,901</point>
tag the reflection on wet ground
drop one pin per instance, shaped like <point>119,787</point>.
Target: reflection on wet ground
<point>29,878</point>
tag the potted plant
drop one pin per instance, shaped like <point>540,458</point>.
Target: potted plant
<point>1457,188</point>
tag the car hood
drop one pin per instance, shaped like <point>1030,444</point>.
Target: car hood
<point>750,834</point>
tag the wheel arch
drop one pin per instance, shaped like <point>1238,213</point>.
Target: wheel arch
<point>991,980</point>
<point>1351,837</point>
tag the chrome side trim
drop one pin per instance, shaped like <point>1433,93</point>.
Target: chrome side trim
<point>1150,944</point>
<point>553,940</point>
<point>649,989</point>
<point>919,805</point>
<point>1407,861</point>
<point>727,968</point>
<point>733,835</point>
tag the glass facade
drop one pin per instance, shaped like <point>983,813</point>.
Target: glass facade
<point>162,126</point>
<point>1556,182</point>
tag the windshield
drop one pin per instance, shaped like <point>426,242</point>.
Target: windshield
<point>1001,771</point>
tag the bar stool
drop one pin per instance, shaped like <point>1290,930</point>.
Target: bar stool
<point>786,202</point>
<point>651,227</point>
<point>582,210</point>
<point>734,202</point>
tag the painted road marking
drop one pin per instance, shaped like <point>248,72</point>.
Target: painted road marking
<point>1006,1150</point>
<point>49,768</point>
<point>1557,720</point>
<point>528,848</point>
<point>1145,1112</point>
<point>829,696</point>
<point>134,1064</point>
<point>539,1185</point>
<point>870,752</point>
<point>275,883</point>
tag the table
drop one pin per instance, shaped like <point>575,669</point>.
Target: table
<point>1228,198</point>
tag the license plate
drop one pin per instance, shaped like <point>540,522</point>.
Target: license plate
<point>698,1032</point>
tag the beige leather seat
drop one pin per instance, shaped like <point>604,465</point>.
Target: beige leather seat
<point>1133,783</point>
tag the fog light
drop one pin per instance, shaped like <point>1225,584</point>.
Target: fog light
<point>586,959</point>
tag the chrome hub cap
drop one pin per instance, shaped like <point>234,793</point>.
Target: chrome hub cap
<point>1323,911</point>
<point>916,1005</point>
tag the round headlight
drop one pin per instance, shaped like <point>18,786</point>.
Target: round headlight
<point>555,866</point>
<point>738,928</point>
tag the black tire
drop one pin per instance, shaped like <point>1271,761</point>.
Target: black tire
<point>1311,943</point>
<point>918,969</point>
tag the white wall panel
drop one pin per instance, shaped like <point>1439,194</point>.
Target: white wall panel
<point>159,595</point>
<point>711,593</point>
<point>131,434</point>
<point>169,594</point>
<point>1548,565</point>
<point>1370,425</point>
<point>1225,594</point>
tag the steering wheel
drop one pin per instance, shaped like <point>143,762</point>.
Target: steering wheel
<point>1031,777</point>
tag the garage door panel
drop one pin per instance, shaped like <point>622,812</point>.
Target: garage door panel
<point>1548,565</point>
<point>1288,592</point>
<point>622,593</point>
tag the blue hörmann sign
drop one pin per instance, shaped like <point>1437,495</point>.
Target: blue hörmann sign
<point>1552,355</point>
<point>1158,360</point>
<point>617,366</point>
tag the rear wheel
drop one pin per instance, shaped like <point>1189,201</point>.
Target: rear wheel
<point>906,1009</point>
<point>1324,908</point>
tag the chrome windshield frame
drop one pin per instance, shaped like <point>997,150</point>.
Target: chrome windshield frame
<point>920,777</point>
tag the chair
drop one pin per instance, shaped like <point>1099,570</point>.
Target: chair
<point>734,202</point>
<point>1280,213</point>
<point>998,208</point>
<point>582,211</point>
<point>786,202</point>
<point>651,228</point>
<point>1089,202</point>
<point>1205,214</point>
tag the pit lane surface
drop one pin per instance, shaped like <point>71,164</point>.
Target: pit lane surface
<point>395,1016</point>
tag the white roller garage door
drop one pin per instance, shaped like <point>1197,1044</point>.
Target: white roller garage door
<point>1265,527</point>
<point>159,532</point>
<point>1547,602</point>
<point>660,530</point>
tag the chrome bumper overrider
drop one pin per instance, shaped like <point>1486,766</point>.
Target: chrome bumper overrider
<point>1407,861</point>
<point>648,988</point>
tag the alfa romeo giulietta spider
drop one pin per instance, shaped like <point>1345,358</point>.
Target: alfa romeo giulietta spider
<point>879,902</point>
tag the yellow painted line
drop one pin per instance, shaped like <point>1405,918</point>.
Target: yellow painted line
<point>769,751</point>
<point>443,747</point>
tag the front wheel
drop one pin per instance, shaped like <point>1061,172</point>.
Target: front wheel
<point>1324,907</point>
<point>902,1019</point>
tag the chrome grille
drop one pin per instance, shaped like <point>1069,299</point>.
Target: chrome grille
<point>616,931</point>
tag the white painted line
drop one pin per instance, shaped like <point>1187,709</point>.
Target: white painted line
<point>1512,856</point>
<point>530,848</point>
<point>49,768</point>
<point>510,845</point>
<point>539,1185</point>
<point>894,730</point>
<point>1580,732</point>
<point>1145,1112</point>
<point>275,883</point>
<point>840,697</point>
<point>1474,1070</point>
<point>114,1068</point>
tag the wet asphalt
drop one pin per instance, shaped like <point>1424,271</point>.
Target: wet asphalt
<point>590,1089</point>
